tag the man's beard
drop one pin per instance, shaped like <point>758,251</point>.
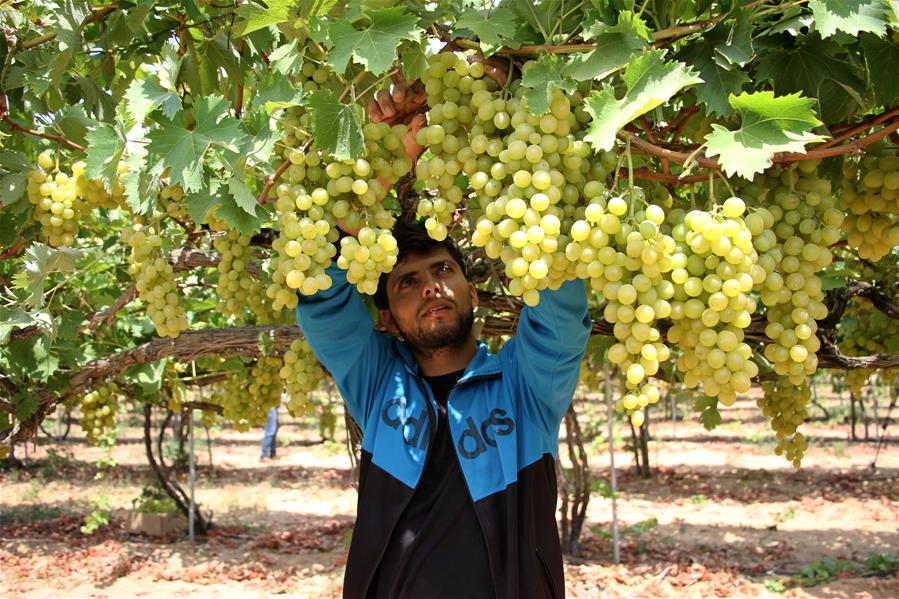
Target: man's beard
<point>445,336</point>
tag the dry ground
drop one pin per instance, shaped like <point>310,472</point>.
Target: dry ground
<point>721,516</point>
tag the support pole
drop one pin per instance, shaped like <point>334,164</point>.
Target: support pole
<point>193,476</point>
<point>616,549</point>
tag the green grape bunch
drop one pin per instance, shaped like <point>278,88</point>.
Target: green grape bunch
<point>155,280</point>
<point>785,404</point>
<point>871,195</point>
<point>715,269</point>
<point>302,373</point>
<point>322,192</point>
<point>527,173</point>
<point>98,411</point>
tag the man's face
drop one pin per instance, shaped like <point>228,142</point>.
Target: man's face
<point>431,304</point>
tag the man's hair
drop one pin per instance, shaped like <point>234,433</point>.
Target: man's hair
<point>413,238</point>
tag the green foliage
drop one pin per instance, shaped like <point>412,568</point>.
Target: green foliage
<point>768,125</point>
<point>650,82</point>
<point>882,563</point>
<point>154,500</point>
<point>374,45</point>
<point>708,408</point>
<point>336,126</point>
<point>99,516</point>
<point>823,571</point>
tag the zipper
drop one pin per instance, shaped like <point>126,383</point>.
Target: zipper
<point>432,417</point>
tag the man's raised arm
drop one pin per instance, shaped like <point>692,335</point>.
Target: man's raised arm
<point>549,345</point>
<point>340,330</point>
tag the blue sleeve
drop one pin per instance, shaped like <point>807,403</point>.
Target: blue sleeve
<point>340,330</point>
<point>548,348</point>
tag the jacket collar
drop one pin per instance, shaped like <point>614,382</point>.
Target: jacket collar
<point>483,363</point>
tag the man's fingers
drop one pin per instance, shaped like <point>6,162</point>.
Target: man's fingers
<point>496,73</point>
<point>385,102</point>
<point>399,92</point>
<point>493,68</point>
<point>374,111</point>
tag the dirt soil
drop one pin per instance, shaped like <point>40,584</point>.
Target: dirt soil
<point>721,516</point>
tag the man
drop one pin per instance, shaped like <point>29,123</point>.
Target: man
<point>457,486</point>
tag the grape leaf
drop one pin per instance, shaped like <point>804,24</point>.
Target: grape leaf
<point>850,16</point>
<point>183,150</point>
<point>237,217</point>
<point>286,59</point>
<point>66,19</point>
<point>14,169</point>
<point>262,145</point>
<point>144,96</point>
<point>40,261</point>
<point>336,126</point>
<point>275,91</point>
<point>493,30</point>
<point>255,17</point>
<point>140,182</point>
<point>105,145</point>
<point>709,416</point>
<point>816,68</point>
<point>17,318</point>
<point>541,77</point>
<point>199,204</point>
<point>74,124</point>
<point>628,23</point>
<point>374,46</point>
<point>218,53</point>
<point>170,68</point>
<point>414,61</point>
<point>243,197</point>
<point>615,46</point>
<point>769,124</point>
<point>736,49</point>
<point>650,82</point>
<point>720,81</point>
<point>881,57</point>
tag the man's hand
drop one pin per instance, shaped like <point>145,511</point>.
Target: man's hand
<point>405,103</point>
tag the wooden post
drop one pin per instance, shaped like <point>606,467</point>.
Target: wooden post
<point>610,412</point>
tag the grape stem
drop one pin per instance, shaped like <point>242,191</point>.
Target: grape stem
<point>13,250</point>
<point>58,139</point>
<point>271,181</point>
<point>846,131</point>
<point>780,158</point>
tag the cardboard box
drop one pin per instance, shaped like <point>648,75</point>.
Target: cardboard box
<point>157,525</point>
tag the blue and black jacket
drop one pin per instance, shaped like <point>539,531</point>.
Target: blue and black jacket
<point>504,416</point>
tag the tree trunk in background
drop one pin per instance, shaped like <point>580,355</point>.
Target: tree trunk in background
<point>574,487</point>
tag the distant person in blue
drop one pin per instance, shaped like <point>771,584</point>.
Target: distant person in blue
<point>457,484</point>
<point>269,436</point>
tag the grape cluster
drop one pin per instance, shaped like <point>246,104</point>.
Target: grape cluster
<point>327,422</point>
<point>864,330</point>
<point>527,172</point>
<point>234,281</point>
<point>871,195</point>
<point>171,199</point>
<point>792,235</point>
<point>786,405</point>
<point>93,192</point>
<point>320,192</point>
<point>98,411</point>
<point>155,280</point>
<point>715,269</point>
<point>57,203</point>
<point>630,273</point>
<point>302,373</point>
<point>246,397</point>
